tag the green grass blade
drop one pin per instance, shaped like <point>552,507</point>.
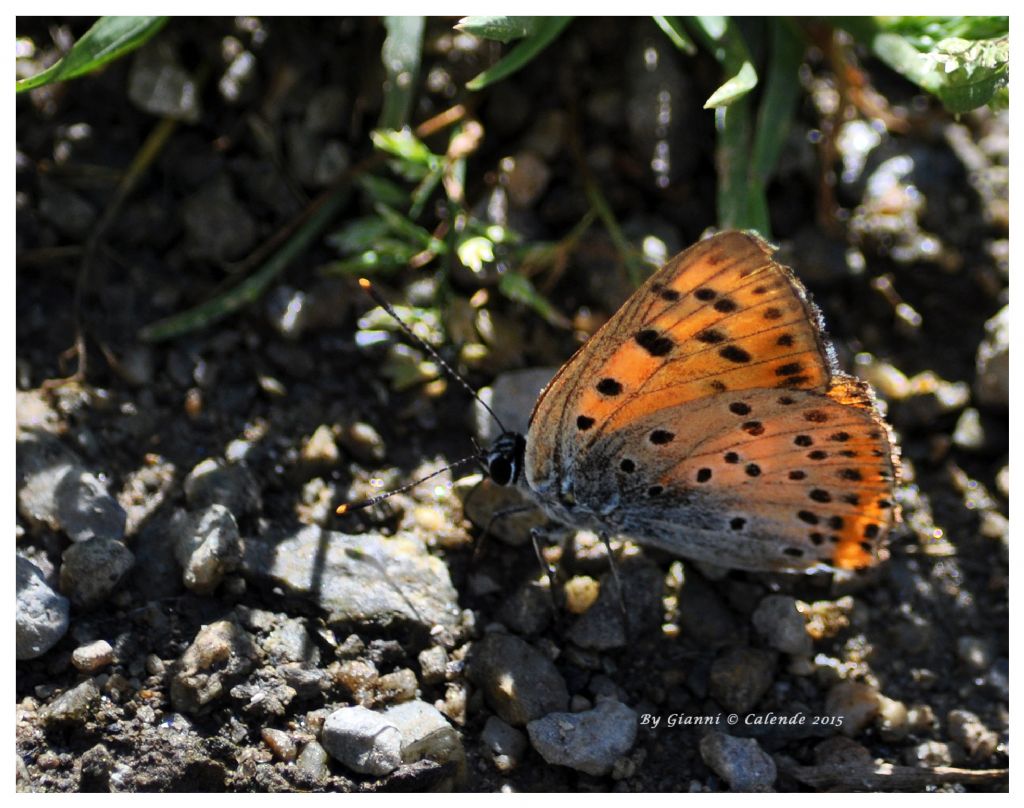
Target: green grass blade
<point>674,30</point>
<point>401,54</point>
<point>721,36</point>
<point>518,288</point>
<point>521,54</point>
<point>501,29</point>
<point>108,39</point>
<point>778,104</point>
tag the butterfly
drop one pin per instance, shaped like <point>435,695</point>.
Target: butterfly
<point>708,418</point>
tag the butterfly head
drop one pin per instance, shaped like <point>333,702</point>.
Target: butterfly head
<point>503,461</point>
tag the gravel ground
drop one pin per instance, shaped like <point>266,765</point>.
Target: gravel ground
<point>192,616</point>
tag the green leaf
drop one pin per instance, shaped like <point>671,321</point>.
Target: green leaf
<point>522,54</point>
<point>401,56</point>
<point>359,234</point>
<point>403,144</point>
<point>502,29</point>
<point>401,226</point>
<point>942,55</point>
<point>721,36</point>
<point>383,190</point>
<point>108,39</point>
<point>518,288</point>
<point>971,72</point>
<point>674,30</point>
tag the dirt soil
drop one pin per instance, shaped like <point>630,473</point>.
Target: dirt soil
<point>908,262</point>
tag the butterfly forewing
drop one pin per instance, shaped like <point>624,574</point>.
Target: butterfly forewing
<point>721,316</point>
<point>707,418</point>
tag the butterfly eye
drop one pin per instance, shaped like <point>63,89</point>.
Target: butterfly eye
<point>500,470</point>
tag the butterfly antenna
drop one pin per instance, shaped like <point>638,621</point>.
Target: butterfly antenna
<point>380,301</point>
<point>348,507</point>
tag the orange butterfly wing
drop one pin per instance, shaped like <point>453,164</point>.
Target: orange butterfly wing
<point>720,324</point>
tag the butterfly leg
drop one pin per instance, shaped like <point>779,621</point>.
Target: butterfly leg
<point>536,534</point>
<point>618,582</point>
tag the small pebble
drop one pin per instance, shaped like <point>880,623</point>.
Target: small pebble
<point>783,627</point>
<point>520,683</point>
<point>857,704</point>
<point>92,570</point>
<point>41,615</point>
<point>505,744</point>
<point>526,177</point>
<point>589,742</point>
<point>280,743</point>
<point>969,433</point>
<point>967,729</point>
<point>433,664</point>
<point>581,593</point>
<point>364,442</point>
<point>90,658</point>
<point>396,687</point>
<point>929,754</point>
<point>893,719</point>
<point>312,762</point>
<point>320,451</point>
<point>425,733</point>
<point>975,652</point>
<point>741,762</point>
<point>73,707</point>
<point>740,677</point>
<point>362,740</point>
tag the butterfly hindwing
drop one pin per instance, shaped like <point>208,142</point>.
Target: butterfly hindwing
<point>758,479</point>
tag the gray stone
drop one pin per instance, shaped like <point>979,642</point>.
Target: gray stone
<point>704,616</point>
<point>992,379</point>
<point>218,227</point>
<point>359,580</point>
<point>72,214</point>
<point>221,654</point>
<point>426,733</point>
<point>41,615</point>
<point>55,490</point>
<point>73,707</point>
<point>290,641</point>
<point>433,664</point>
<point>159,85</point>
<point>215,482</point>
<point>601,628</point>
<point>590,741</point>
<point>364,443</point>
<point>529,609</point>
<point>364,741</point>
<point>519,682</point>
<point>92,570</point>
<point>505,743</point>
<point>207,546</point>
<point>778,620</point>
<point>312,763</point>
<point>740,677</point>
<point>741,762</point>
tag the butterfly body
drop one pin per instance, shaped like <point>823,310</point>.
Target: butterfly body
<point>707,418</point>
